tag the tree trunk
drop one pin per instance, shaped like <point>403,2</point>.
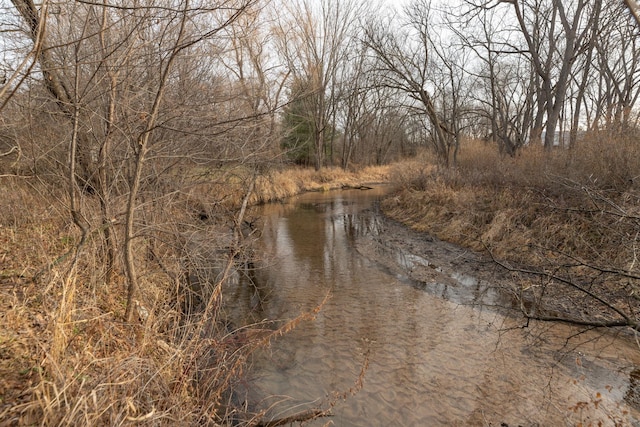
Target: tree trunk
<point>140,160</point>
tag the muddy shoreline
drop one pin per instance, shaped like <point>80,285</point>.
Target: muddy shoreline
<point>467,277</point>
<point>438,267</point>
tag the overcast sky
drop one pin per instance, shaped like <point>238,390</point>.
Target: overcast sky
<point>396,3</point>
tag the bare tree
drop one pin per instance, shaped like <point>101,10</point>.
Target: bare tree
<point>353,100</point>
<point>615,88</point>
<point>554,36</point>
<point>634,8</point>
<point>405,64</point>
<point>505,98</point>
<point>36,22</point>
<point>313,42</point>
<point>257,75</point>
<point>98,62</point>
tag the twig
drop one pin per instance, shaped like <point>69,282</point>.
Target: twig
<point>12,175</point>
<point>308,415</point>
<point>14,148</point>
<point>627,321</point>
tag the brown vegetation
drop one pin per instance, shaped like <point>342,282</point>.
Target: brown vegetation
<point>66,356</point>
<point>570,216</point>
<point>133,137</point>
<point>277,185</point>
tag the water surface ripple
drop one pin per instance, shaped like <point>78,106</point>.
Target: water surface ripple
<point>435,358</point>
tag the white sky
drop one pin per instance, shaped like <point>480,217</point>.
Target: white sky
<point>397,4</point>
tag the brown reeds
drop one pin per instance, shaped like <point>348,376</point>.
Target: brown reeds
<point>66,356</point>
<point>279,184</point>
<point>570,218</point>
<point>537,199</point>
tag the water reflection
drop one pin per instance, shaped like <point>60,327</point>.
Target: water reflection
<point>435,359</point>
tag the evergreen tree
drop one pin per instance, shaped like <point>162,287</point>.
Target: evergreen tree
<point>301,134</point>
<point>299,126</point>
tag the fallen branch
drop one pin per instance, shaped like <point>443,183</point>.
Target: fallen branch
<point>579,322</point>
<point>625,321</point>
<point>356,187</point>
<point>308,415</point>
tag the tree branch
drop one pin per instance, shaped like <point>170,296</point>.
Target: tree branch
<point>627,320</point>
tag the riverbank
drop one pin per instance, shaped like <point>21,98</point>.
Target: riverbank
<point>66,356</point>
<point>564,224</point>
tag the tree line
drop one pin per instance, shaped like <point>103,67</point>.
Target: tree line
<point>328,82</point>
<point>118,99</point>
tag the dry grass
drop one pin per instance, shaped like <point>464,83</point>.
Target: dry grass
<point>562,202</point>
<point>571,215</point>
<point>279,184</point>
<point>66,356</point>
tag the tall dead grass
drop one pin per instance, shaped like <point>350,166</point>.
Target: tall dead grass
<point>66,356</point>
<point>570,217</point>
<point>279,184</point>
<point>566,201</point>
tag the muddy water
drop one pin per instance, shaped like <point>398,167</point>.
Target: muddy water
<point>434,353</point>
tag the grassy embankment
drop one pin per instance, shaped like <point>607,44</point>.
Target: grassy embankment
<point>557,201</point>
<point>572,213</point>
<point>66,356</point>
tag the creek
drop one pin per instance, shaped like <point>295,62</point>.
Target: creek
<point>444,351</point>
